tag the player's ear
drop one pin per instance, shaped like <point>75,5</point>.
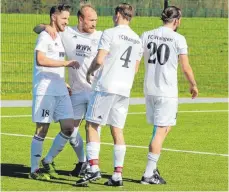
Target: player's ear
<point>81,19</point>
<point>53,17</point>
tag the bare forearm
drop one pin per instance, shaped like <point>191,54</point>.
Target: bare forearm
<point>187,70</point>
<point>95,66</point>
<point>46,62</point>
<point>39,28</point>
<point>190,76</point>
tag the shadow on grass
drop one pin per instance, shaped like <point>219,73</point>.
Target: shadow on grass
<point>22,171</point>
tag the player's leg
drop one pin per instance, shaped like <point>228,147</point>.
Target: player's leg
<point>42,115</point>
<point>78,146</point>
<point>117,119</point>
<point>79,108</point>
<point>161,112</point>
<point>64,114</point>
<point>97,112</point>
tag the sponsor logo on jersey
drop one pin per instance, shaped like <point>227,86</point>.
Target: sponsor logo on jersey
<point>85,48</point>
<point>61,54</point>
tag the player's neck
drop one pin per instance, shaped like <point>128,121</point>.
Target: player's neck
<point>170,25</point>
<point>80,29</point>
<point>54,26</point>
<point>122,22</point>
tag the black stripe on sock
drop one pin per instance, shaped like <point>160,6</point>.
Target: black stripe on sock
<point>64,136</point>
<point>38,138</point>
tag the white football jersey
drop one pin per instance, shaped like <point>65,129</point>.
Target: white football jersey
<point>49,80</point>
<point>118,70</point>
<point>162,47</point>
<point>83,48</point>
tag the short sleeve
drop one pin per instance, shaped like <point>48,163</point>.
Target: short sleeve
<point>140,53</point>
<point>142,39</point>
<point>42,43</point>
<point>182,46</point>
<point>105,41</point>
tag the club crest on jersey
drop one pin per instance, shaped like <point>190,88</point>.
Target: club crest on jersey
<point>50,48</point>
<point>94,41</point>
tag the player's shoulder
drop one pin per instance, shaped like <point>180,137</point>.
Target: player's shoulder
<point>45,35</point>
<point>109,30</point>
<point>150,32</point>
<point>179,36</point>
<point>98,34</point>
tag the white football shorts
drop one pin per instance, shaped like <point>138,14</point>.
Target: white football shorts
<point>107,109</point>
<point>79,103</point>
<point>47,108</point>
<point>161,111</point>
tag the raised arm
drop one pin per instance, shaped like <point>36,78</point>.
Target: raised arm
<point>44,27</point>
<point>187,70</point>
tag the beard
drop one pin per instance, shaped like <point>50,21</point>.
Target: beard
<point>176,29</point>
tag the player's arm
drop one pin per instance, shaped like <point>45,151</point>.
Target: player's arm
<point>44,27</point>
<point>187,70</point>
<point>139,56</point>
<point>137,66</point>
<point>44,61</point>
<point>97,63</point>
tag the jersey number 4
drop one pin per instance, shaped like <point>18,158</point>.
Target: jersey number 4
<point>126,57</point>
<point>159,54</point>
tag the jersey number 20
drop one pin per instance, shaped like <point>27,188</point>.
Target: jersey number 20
<point>156,53</point>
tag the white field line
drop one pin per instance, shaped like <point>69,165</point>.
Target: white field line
<point>131,113</point>
<point>132,146</point>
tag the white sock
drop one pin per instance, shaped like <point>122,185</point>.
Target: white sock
<point>152,164</point>
<point>119,156</point>
<point>57,146</point>
<point>76,142</point>
<point>36,152</point>
<point>99,130</point>
<point>93,149</point>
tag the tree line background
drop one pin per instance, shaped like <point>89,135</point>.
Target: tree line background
<point>190,8</point>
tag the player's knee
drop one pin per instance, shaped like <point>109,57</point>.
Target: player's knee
<point>41,130</point>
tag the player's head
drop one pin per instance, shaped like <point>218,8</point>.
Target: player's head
<point>171,16</point>
<point>87,18</point>
<point>59,16</point>
<point>123,12</point>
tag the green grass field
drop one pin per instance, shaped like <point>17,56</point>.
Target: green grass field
<point>188,169</point>
<point>206,37</point>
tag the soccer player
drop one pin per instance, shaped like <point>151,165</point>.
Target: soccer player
<point>81,44</point>
<point>162,49</point>
<point>51,99</point>
<point>119,54</point>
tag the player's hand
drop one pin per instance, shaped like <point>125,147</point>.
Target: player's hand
<point>194,91</point>
<point>51,31</point>
<point>88,77</point>
<point>74,64</point>
<point>69,89</point>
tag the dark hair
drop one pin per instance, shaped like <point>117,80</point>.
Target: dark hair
<point>126,10</point>
<point>59,8</point>
<point>170,13</point>
<point>80,13</point>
